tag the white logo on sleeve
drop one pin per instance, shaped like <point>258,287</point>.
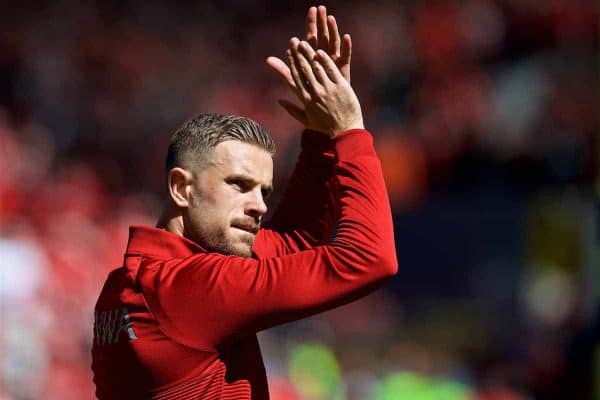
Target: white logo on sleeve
<point>109,324</point>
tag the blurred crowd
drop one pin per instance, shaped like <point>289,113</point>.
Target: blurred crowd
<point>485,117</point>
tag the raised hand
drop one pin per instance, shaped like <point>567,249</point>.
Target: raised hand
<point>330,104</point>
<point>322,33</point>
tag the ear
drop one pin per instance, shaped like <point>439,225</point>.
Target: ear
<point>180,186</point>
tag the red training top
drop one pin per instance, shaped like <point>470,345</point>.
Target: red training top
<point>177,322</point>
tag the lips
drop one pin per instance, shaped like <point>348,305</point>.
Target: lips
<point>250,228</point>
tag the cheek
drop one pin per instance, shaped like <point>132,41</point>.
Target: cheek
<point>205,197</point>
<point>218,203</point>
<point>214,205</point>
<point>227,200</point>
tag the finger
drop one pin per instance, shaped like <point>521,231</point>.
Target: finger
<point>310,55</point>
<point>345,56</point>
<point>320,73</point>
<point>322,30</point>
<point>333,73</point>
<point>301,90</point>
<point>306,73</point>
<point>281,69</point>
<point>296,112</point>
<point>346,51</point>
<point>299,82</point>
<point>308,51</point>
<point>311,26</point>
<point>334,37</point>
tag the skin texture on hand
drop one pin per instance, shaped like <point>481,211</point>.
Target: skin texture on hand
<point>322,33</point>
<point>330,104</point>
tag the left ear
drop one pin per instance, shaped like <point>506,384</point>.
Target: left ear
<point>180,186</point>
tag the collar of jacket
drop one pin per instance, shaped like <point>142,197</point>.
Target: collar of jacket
<point>159,243</point>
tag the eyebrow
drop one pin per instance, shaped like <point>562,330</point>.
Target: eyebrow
<point>247,178</point>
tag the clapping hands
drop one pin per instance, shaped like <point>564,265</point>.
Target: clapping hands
<point>320,79</point>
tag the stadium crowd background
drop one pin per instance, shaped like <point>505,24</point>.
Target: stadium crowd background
<point>485,114</point>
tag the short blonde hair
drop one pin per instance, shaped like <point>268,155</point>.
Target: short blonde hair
<point>197,136</point>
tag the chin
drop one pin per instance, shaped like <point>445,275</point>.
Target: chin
<point>233,243</point>
<point>241,244</point>
<point>245,252</point>
<point>238,248</point>
<point>243,248</point>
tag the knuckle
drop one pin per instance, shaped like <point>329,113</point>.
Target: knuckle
<point>321,93</point>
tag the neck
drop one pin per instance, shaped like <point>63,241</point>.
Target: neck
<point>171,220</point>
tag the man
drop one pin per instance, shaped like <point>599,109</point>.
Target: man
<point>179,319</point>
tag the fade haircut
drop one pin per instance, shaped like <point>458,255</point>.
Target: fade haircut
<point>190,144</point>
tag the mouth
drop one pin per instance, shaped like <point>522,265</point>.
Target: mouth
<point>252,229</point>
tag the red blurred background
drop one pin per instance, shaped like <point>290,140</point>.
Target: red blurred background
<point>485,114</point>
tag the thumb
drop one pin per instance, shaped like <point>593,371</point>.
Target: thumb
<point>296,112</point>
<point>281,69</point>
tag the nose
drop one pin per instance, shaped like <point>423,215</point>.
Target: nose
<point>256,206</point>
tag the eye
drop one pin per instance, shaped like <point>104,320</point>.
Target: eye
<point>239,184</point>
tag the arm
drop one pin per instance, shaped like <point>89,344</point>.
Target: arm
<point>207,299</point>
<point>304,217</point>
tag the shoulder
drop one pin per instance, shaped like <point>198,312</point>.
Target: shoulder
<point>192,272</point>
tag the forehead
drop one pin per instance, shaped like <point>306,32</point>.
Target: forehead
<point>235,157</point>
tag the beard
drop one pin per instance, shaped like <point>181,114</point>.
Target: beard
<point>219,241</point>
<point>216,237</point>
<point>222,245</point>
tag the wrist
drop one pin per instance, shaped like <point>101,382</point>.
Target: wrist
<point>352,125</point>
<point>352,143</point>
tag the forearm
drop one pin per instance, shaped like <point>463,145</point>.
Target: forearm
<point>305,213</point>
<point>331,107</point>
<point>359,258</point>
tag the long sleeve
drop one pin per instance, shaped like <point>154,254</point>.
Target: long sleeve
<point>304,217</point>
<point>205,299</point>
